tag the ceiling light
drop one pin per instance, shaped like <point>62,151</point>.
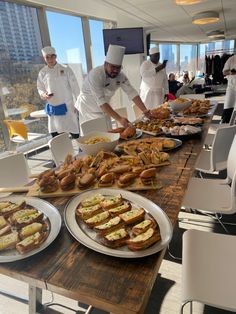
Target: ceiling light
<point>215,34</point>
<point>187,2</point>
<point>205,17</point>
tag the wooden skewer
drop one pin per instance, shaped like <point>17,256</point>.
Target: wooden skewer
<point>15,189</point>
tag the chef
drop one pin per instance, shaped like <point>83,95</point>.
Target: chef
<point>154,85</point>
<point>58,86</point>
<point>101,84</point>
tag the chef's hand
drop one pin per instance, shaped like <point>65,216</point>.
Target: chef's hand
<point>160,67</point>
<point>147,113</point>
<point>123,121</point>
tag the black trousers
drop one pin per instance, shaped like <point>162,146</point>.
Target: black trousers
<point>226,115</point>
<point>73,135</point>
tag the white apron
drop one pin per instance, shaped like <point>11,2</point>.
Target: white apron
<point>151,97</point>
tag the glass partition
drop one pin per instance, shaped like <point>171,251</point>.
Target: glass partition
<point>97,48</point>
<point>188,61</point>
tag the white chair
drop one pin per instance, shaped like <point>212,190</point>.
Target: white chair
<point>193,96</point>
<point>14,170</point>
<point>98,124</point>
<point>215,160</point>
<point>61,146</point>
<point>216,196</point>
<point>208,269</point>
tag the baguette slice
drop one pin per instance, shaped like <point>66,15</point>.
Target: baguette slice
<point>109,226</point>
<point>9,241</point>
<point>116,238</point>
<point>13,207</point>
<point>94,200</point>
<point>5,230</point>
<point>27,220</point>
<point>98,219</point>
<point>20,214</point>
<point>120,209</point>
<point>87,212</point>
<point>133,216</point>
<point>143,226</point>
<point>3,222</point>
<point>111,202</point>
<point>144,240</point>
<point>32,229</point>
<point>5,204</point>
<point>31,242</point>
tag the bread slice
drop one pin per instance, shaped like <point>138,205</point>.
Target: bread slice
<point>5,230</point>
<point>13,207</point>
<point>31,229</point>
<point>87,212</point>
<point>133,216</point>
<point>5,204</point>
<point>21,213</point>
<point>26,220</point>
<point>3,222</point>
<point>9,241</point>
<point>31,242</point>
<point>120,209</point>
<point>144,240</point>
<point>98,219</point>
<point>109,226</point>
<point>116,238</point>
<point>113,201</point>
<point>143,226</point>
<point>94,200</point>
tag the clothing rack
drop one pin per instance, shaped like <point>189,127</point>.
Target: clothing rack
<point>220,51</point>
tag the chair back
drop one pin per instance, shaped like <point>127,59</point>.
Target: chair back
<point>14,170</point>
<point>16,128</point>
<point>61,146</point>
<point>193,96</point>
<point>97,124</point>
<point>221,145</point>
<point>233,118</point>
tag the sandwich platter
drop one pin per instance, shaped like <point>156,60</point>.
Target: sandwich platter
<point>51,217</point>
<point>89,237</point>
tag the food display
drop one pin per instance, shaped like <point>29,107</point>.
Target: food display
<point>96,139</point>
<point>22,227</point>
<point>197,108</point>
<point>188,120</point>
<point>161,113</point>
<point>116,222</point>
<point>125,133</point>
<point>153,126</point>
<point>182,130</point>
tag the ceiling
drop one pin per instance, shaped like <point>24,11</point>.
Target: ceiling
<point>173,23</point>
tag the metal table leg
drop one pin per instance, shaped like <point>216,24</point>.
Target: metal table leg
<point>35,300</point>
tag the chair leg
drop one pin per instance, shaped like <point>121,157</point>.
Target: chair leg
<point>183,305</point>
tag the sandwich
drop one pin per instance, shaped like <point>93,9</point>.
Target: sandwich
<point>94,200</point>
<point>126,179</point>
<point>148,176</point>
<point>107,179</point>
<point>10,208</point>
<point>112,202</point>
<point>21,213</point>
<point>68,182</point>
<point>109,226</point>
<point>130,131</point>
<point>4,227</point>
<point>46,173</point>
<point>143,226</point>
<point>168,144</point>
<point>28,219</point>
<point>31,242</point>
<point>120,169</point>
<point>144,240</point>
<point>8,241</point>
<point>63,173</point>
<point>88,212</point>
<point>98,219</point>
<point>115,211</point>
<point>145,157</point>
<point>48,184</point>
<point>32,229</point>
<point>86,180</point>
<point>133,216</point>
<point>116,238</point>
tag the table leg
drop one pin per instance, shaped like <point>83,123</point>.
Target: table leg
<point>35,300</point>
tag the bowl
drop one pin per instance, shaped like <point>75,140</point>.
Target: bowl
<point>93,149</point>
<point>179,104</point>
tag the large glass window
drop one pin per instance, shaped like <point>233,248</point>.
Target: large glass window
<point>169,52</point>
<point>66,36</point>
<point>96,34</point>
<point>188,55</point>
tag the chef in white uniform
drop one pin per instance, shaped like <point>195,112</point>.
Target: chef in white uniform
<point>101,84</point>
<point>229,71</point>
<point>58,86</point>
<point>154,85</point>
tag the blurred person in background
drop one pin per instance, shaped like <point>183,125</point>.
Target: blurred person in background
<point>154,87</point>
<point>58,86</point>
<point>174,85</point>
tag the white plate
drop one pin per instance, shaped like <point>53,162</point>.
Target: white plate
<point>88,237</point>
<point>54,219</point>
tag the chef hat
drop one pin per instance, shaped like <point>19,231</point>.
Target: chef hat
<point>48,51</point>
<point>115,54</point>
<point>153,50</point>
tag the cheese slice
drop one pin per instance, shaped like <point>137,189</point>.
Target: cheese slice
<point>111,201</point>
<point>30,229</point>
<point>116,235</point>
<point>83,210</point>
<point>94,200</point>
<point>143,236</point>
<point>112,222</point>
<point>97,218</point>
<point>119,208</point>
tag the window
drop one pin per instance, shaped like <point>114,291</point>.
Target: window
<point>188,58</point>
<point>169,52</point>
<point>96,34</point>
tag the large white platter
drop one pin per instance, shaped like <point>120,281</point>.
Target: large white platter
<point>89,238</point>
<point>53,219</point>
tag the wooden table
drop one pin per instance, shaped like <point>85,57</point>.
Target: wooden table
<point>116,285</point>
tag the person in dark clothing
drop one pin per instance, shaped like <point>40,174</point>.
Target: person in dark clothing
<point>173,84</point>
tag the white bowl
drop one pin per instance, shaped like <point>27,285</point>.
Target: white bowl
<point>179,106</point>
<point>93,149</point>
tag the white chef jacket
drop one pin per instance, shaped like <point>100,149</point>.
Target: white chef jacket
<point>97,90</point>
<point>60,80</point>
<point>154,85</point>
<point>230,98</point>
